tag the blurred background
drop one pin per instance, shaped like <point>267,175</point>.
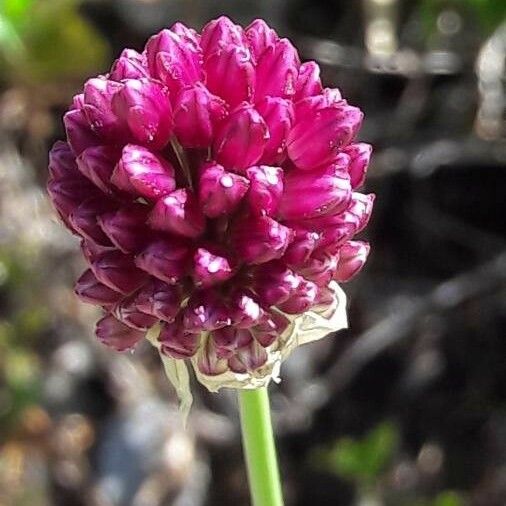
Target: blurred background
<point>406,408</point>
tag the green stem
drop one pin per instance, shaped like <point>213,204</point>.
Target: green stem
<point>259,448</point>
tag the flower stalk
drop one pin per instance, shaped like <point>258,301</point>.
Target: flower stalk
<point>259,447</point>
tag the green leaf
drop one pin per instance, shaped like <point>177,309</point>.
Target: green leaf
<point>16,10</point>
<point>60,43</point>
<point>43,41</point>
<point>362,460</point>
<point>10,41</point>
<point>448,498</point>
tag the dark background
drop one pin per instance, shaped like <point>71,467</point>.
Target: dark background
<point>406,408</point>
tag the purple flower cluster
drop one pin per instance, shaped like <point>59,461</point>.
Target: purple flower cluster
<point>213,182</point>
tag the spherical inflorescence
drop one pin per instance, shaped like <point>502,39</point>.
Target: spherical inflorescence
<point>212,181</point>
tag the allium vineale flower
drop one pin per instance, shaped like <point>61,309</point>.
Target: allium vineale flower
<point>213,183</point>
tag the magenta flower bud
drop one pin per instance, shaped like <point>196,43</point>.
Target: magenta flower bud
<point>140,171</point>
<point>130,65</point>
<point>278,115</point>
<point>159,299</point>
<point>303,298</point>
<point>118,272</point>
<point>229,339</point>
<point>178,213</point>
<point>324,190</point>
<point>166,259</point>
<point>241,138</point>
<point>89,289</point>
<point>67,194</point>
<point>97,164</point>
<point>210,269</point>
<point>92,251</point>
<point>270,328</point>
<point>303,244</point>
<point>220,34</point>
<point>78,131</point>
<point>274,283</point>
<point>84,220</point>
<point>127,312</point>
<point>352,257</point>
<point>174,60</point>
<point>260,36</point>
<point>277,70</point>
<point>265,190</point>
<point>320,268</point>
<point>231,74</point>
<point>126,227</point>
<point>308,82</point>
<point>360,154</point>
<point>205,311</point>
<point>62,161</point>
<point>359,211</point>
<point>329,97</point>
<point>220,191</point>
<point>259,239</point>
<point>97,108</point>
<point>338,228</point>
<point>317,137</point>
<point>117,335</point>
<point>177,342</point>
<point>209,362</point>
<point>143,104</point>
<point>249,358</point>
<point>196,115</point>
<point>245,311</point>
<point>188,36</point>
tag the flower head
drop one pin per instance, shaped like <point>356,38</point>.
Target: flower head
<point>213,181</point>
